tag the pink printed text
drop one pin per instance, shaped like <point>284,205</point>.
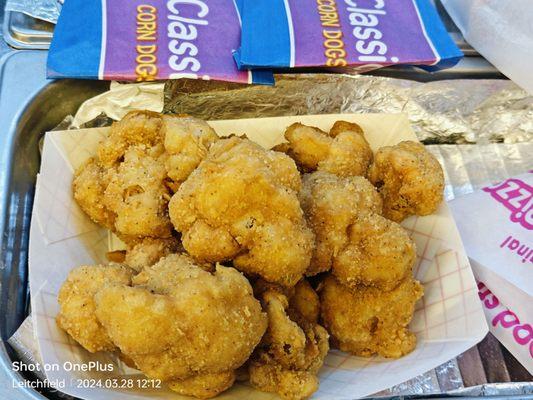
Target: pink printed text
<point>517,197</point>
<point>522,332</point>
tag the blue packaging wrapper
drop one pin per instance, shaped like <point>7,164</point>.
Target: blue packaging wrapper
<point>361,34</point>
<point>146,40</point>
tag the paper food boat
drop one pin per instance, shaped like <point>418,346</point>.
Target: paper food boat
<point>447,321</point>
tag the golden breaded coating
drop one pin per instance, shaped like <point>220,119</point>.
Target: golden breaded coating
<point>77,308</point>
<point>241,204</point>
<point>204,386</point>
<point>343,152</point>
<point>137,195</point>
<point>144,158</point>
<point>368,320</point>
<point>305,301</point>
<point>331,204</point>
<point>187,141</point>
<point>269,376</point>
<point>136,128</point>
<point>88,187</point>
<point>261,286</point>
<point>147,251</point>
<point>180,322</point>
<point>291,351</point>
<point>126,360</point>
<point>409,178</point>
<point>379,253</point>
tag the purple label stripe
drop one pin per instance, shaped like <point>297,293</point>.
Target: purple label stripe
<point>356,32</point>
<point>158,39</point>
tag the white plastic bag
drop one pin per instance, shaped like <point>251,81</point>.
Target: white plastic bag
<point>496,225</point>
<point>501,31</point>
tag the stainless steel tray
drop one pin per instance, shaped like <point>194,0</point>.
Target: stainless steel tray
<point>29,106</point>
<point>24,32</point>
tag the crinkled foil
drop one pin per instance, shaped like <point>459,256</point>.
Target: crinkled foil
<point>471,167</point>
<point>515,389</point>
<point>449,111</point>
<point>459,111</point>
<point>47,10</point>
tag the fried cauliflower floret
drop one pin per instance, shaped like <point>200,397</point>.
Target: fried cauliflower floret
<point>379,253</point>
<point>147,251</point>
<point>409,178</point>
<point>77,308</point>
<point>88,188</point>
<point>241,204</point>
<point>187,141</point>
<point>204,386</point>
<point>343,151</point>
<point>305,301</point>
<point>269,376</point>
<point>368,320</point>
<point>137,195</point>
<point>136,128</point>
<point>291,351</point>
<point>145,156</point>
<point>331,204</point>
<point>179,322</point>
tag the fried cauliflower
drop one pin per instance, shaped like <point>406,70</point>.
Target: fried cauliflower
<point>409,178</point>
<point>294,346</point>
<point>343,151</point>
<point>319,208</point>
<point>241,204</point>
<point>136,128</point>
<point>331,205</point>
<point>204,386</point>
<point>77,308</point>
<point>144,158</point>
<point>137,195</point>
<point>88,188</point>
<point>368,320</point>
<point>147,251</point>
<point>129,198</point>
<point>187,141</point>
<point>305,302</point>
<point>182,324</point>
<point>378,253</point>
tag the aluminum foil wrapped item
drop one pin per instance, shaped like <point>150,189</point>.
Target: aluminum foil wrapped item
<point>47,10</point>
<point>449,111</point>
<point>442,379</point>
<point>468,168</point>
<point>518,389</point>
<point>441,112</point>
